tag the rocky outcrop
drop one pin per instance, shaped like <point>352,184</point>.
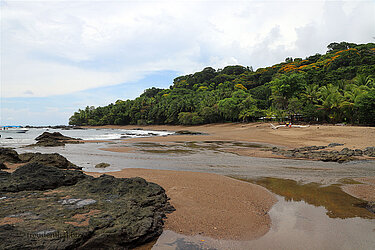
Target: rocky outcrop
<point>35,176</point>
<point>317,153</point>
<point>102,165</point>
<point>9,155</point>
<point>78,211</point>
<point>53,140</point>
<point>55,160</point>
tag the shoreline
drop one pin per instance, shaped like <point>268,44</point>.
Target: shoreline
<point>258,133</point>
<point>350,136</point>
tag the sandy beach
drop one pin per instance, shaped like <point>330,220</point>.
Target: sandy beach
<point>209,204</point>
<point>350,136</point>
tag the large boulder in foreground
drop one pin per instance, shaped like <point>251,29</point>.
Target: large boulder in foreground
<point>78,211</point>
<point>35,176</point>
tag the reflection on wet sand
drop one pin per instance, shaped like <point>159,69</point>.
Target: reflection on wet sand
<point>338,203</point>
<point>308,216</point>
<point>295,225</point>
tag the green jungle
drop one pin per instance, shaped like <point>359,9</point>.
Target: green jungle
<point>337,87</point>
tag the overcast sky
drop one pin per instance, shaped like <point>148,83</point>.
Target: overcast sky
<point>58,56</point>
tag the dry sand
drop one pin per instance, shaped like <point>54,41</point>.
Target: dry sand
<point>351,136</point>
<point>209,204</point>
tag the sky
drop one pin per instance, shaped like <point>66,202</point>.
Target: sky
<point>59,56</point>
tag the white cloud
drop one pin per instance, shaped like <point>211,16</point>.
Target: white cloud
<point>58,47</point>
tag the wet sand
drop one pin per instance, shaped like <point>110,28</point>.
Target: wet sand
<point>364,190</point>
<point>209,204</point>
<point>352,137</point>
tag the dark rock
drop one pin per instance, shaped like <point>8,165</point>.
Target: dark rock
<point>371,206</point>
<point>358,152</point>
<point>369,151</point>
<point>346,151</point>
<point>34,176</point>
<point>4,176</point>
<point>53,136</point>
<point>187,132</point>
<point>299,155</point>
<point>102,165</point>
<point>9,138</point>
<point>2,166</point>
<point>334,144</point>
<point>83,213</point>
<point>275,149</point>
<point>53,140</point>
<point>55,160</point>
<point>9,155</point>
<point>315,153</point>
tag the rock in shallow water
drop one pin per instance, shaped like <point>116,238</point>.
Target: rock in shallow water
<point>102,165</point>
<point>53,140</point>
<point>104,212</point>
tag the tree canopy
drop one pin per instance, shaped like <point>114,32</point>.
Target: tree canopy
<point>338,86</point>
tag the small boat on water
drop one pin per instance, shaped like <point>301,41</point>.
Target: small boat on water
<point>13,129</point>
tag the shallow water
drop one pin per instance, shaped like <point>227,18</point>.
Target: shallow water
<point>337,203</point>
<point>295,225</point>
<point>207,160</point>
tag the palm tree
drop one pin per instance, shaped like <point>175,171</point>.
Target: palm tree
<point>363,80</point>
<point>311,94</point>
<point>331,100</point>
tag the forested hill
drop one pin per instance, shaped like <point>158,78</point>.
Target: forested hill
<point>338,86</point>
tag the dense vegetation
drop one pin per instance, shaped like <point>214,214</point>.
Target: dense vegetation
<point>335,87</point>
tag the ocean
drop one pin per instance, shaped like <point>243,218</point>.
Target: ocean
<point>16,140</point>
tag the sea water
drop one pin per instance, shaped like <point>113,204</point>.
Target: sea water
<point>22,139</point>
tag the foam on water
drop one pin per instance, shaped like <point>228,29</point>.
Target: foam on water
<point>22,139</point>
